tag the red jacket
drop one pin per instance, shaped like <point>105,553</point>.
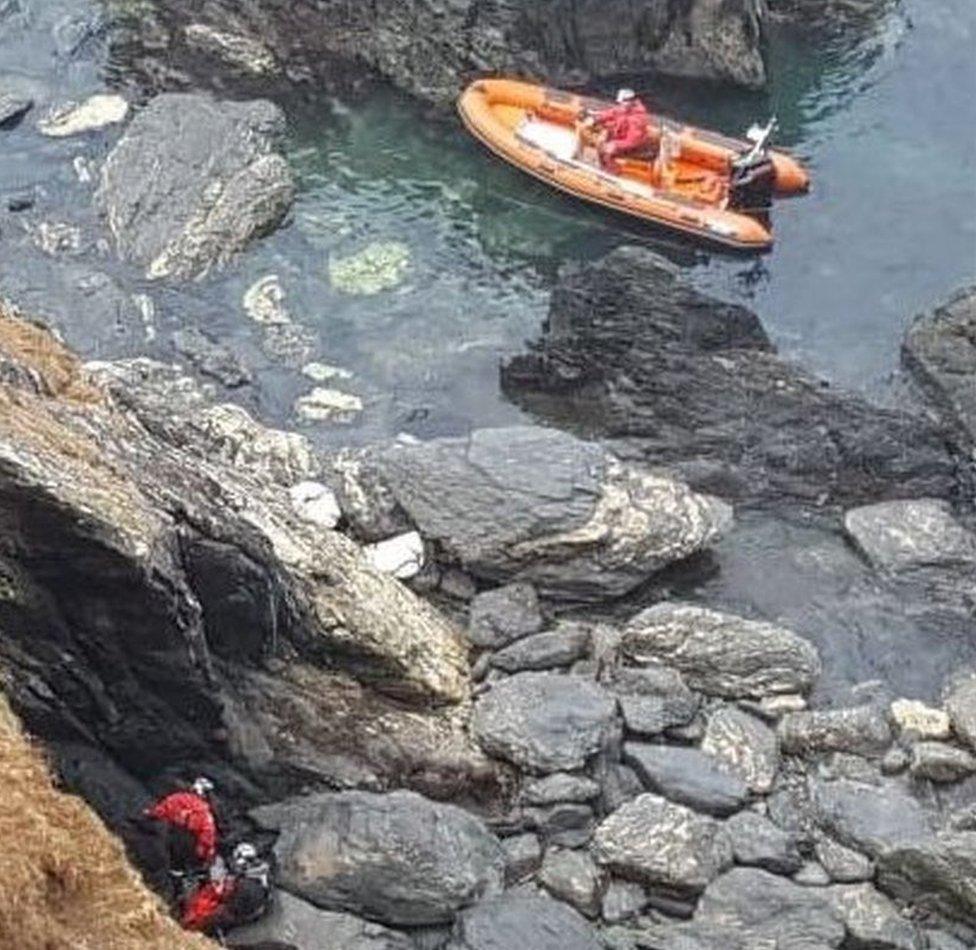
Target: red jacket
<point>188,810</point>
<point>626,123</point>
<point>204,905</point>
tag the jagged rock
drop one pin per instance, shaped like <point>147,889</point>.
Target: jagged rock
<point>916,720</point>
<point>750,747</point>
<point>193,181</point>
<point>13,108</point>
<point>90,116</point>
<point>662,844</point>
<point>687,776</point>
<point>366,502</point>
<point>622,900</point>
<point>961,706</point>
<point>397,858</point>
<point>242,52</point>
<point>722,654</point>
<point>306,926</point>
<point>517,920</point>
<point>401,557</point>
<point>315,502</point>
<point>653,698</point>
<point>544,651</point>
<point>560,787</point>
<point>499,616</point>
<point>812,874</point>
<point>544,722</point>
<point>539,505</point>
<point>672,376</point>
<point>210,357</point>
<point>900,536</point>
<point>844,865</point>
<point>523,856</point>
<point>756,841</point>
<point>873,921</point>
<point>937,872</point>
<point>571,876</point>
<point>862,730</point>
<point>940,352</point>
<point>940,762</point>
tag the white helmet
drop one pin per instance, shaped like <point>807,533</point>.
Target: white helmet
<point>625,95</point>
<point>244,853</point>
<point>202,785</point>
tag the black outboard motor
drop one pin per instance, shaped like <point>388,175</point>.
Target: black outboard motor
<point>753,173</point>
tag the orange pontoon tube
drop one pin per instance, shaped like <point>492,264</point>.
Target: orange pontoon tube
<point>682,183</point>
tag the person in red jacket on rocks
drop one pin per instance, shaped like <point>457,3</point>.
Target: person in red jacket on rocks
<point>625,129</point>
<point>230,897</point>
<point>190,815</point>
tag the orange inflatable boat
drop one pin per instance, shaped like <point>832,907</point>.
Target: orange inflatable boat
<point>692,180</point>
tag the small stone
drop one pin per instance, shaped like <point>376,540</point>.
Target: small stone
<point>872,920</point>
<point>961,706</point>
<point>323,372</point>
<point>523,856</point>
<point>288,343</point>
<point>316,503</point>
<point>328,405</point>
<point>544,651</point>
<point>13,109</point>
<point>844,865</point>
<point>458,584</point>
<point>748,746</point>
<point>862,730</point>
<point>812,875</point>
<point>618,784</point>
<point>775,707</point>
<point>560,787</point>
<point>522,921</point>
<point>895,760</point>
<point>209,356</point>
<point>401,557</point>
<point>622,901</point>
<point>93,114</point>
<point>756,841</point>
<point>940,762</point>
<point>22,201</point>
<point>242,52</point>
<point>57,237</point>
<point>566,825</point>
<point>504,614</point>
<point>917,721</point>
<point>264,301</point>
<point>571,876</point>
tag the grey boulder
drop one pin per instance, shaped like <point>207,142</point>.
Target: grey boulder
<point>747,747</point>
<point>397,858</point>
<point>861,730</point>
<point>499,616</point>
<point>571,876</point>
<point>193,181</point>
<point>544,651</point>
<point>757,842</point>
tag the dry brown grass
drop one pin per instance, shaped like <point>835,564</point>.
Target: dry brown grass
<point>65,883</point>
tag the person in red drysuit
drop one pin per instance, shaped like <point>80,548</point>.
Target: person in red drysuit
<point>625,125</point>
<point>229,898</point>
<point>191,812</point>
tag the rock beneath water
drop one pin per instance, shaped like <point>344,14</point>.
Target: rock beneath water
<point>525,921</point>
<point>211,358</point>
<point>497,617</point>
<point>916,720</point>
<point>377,267</point>
<point>264,301</point>
<point>328,405</point>
<point>544,722</point>
<point>844,865</point>
<point>747,745</point>
<point>545,651</point>
<point>523,857</point>
<point>937,873</point>
<point>397,858</point>
<point>961,706</point>
<point>677,378</point>
<point>687,776</point>
<point>401,557</point>
<point>560,787</point>
<point>193,181</point>
<point>315,502</point>
<point>940,762</point>
<point>873,921</point>
<point>757,842</point>
<point>622,900</point>
<point>571,876</point>
<point>861,730</point>
<point>765,908</point>
<point>722,654</point>
<point>542,506</point>
<point>243,53</point>
<point>96,113</point>
<point>663,845</point>
<point>899,536</point>
<point>940,352</point>
<point>13,108</point>
<point>296,922</point>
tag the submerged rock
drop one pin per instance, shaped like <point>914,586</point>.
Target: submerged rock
<point>377,267</point>
<point>211,357</point>
<point>193,181</point>
<point>93,114</point>
<point>13,108</point>
<point>541,506</point>
<point>264,301</point>
<point>397,858</point>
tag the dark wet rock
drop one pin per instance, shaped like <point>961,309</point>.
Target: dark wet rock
<point>670,375</point>
<point>397,858</point>
<point>499,616</point>
<point>539,505</point>
<point>560,787</point>
<point>722,654</point>
<point>687,776</point>
<point>873,921</point>
<point>747,745</point>
<point>297,922</point>
<point>565,825</point>
<point>524,921</point>
<point>523,856</point>
<point>757,842</point>
<point>622,900</point>
<point>961,706</point>
<point>571,876</point>
<point>193,181</point>
<point>862,730</point>
<point>869,818</point>
<point>749,902</point>
<point>618,783</point>
<point>844,865</point>
<point>662,845</point>
<point>544,722</point>
<point>22,201</point>
<point>13,108</point>
<point>210,357</point>
<point>940,352</point>
<point>902,536</point>
<point>941,762</point>
<point>935,872</point>
<point>545,651</point>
